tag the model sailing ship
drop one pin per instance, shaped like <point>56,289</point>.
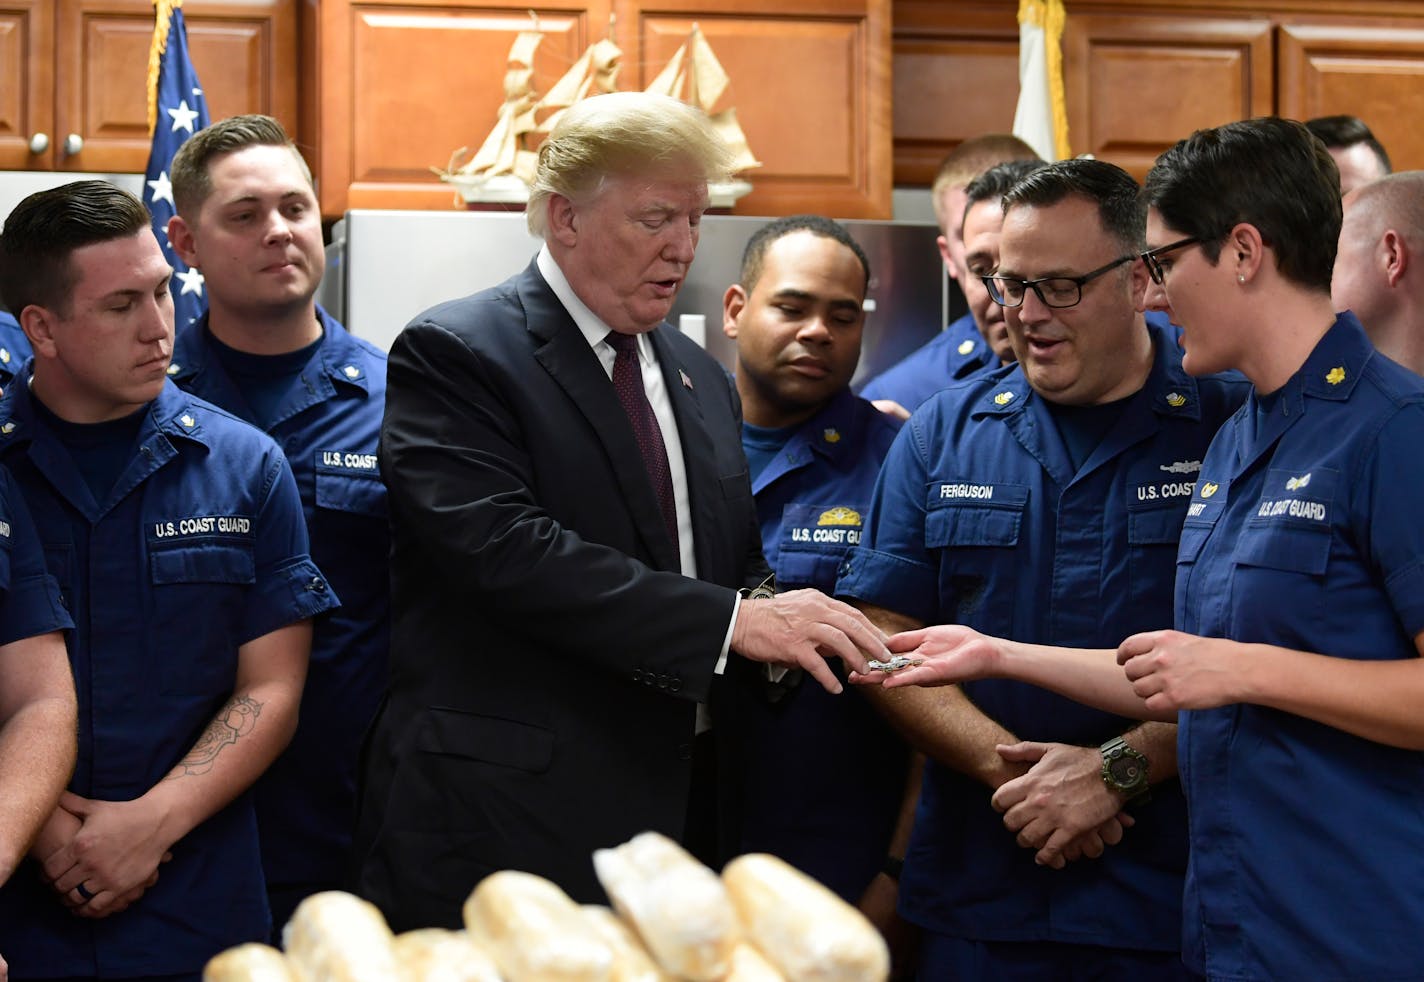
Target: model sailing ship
<point>502,170</point>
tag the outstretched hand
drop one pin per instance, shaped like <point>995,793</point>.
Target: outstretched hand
<point>801,629</point>
<point>948,653</point>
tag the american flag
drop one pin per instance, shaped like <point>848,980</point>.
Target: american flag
<point>176,110</point>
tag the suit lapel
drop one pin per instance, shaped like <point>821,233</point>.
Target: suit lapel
<point>565,354</point>
<point>699,466</point>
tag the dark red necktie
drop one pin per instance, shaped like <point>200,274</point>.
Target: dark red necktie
<point>628,382</point>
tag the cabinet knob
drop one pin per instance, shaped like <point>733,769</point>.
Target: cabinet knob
<point>73,143</point>
<point>39,143</point>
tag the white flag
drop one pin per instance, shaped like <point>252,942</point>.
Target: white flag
<point>1041,119</point>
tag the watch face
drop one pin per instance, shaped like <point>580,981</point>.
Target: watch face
<point>1126,771</point>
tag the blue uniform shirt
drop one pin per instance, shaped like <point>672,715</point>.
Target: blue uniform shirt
<point>198,549</point>
<point>980,519</point>
<point>824,774</point>
<point>1308,843</point>
<point>29,596</point>
<point>14,349</point>
<point>328,426</point>
<point>957,353</point>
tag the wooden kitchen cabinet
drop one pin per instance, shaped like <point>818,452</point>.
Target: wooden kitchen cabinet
<point>1141,74</point>
<point>403,83</point>
<point>73,75</point>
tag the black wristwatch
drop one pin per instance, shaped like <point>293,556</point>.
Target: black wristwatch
<point>1125,770</point>
<point>894,866</point>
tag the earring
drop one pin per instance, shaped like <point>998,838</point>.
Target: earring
<point>1241,278</point>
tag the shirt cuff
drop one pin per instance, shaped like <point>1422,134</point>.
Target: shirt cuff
<point>890,581</point>
<point>721,667</point>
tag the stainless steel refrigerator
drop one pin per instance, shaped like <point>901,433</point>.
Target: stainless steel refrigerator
<point>385,267</point>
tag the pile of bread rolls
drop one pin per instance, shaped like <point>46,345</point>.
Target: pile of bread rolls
<point>672,919</point>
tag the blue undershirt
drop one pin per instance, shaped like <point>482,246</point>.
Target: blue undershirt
<point>1083,427</point>
<point>101,451</point>
<point>264,380</point>
<point>763,443</point>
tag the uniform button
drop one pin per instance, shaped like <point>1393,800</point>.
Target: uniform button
<point>684,751</point>
<point>637,675</point>
<point>844,569</point>
<point>676,685</point>
<point>316,584</point>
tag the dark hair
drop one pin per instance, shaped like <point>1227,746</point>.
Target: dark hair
<point>1268,172</point>
<point>1120,207</point>
<point>995,182</point>
<point>1339,132</point>
<point>189,171</point>
<point>755,253</point>
<point>45,228</point>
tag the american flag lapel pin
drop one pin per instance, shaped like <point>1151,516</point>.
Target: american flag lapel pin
<point>686,381</point>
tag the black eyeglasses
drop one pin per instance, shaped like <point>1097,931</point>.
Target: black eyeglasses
<point>1052,291</point>
<point>1151,258</point>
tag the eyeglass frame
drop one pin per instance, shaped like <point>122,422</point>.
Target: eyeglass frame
<point>996,295</point>
<point>1150,258</point>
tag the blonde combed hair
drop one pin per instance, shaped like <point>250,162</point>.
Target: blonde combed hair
<point>623,133</point>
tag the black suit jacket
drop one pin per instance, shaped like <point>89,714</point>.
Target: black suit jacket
<point>547,655</point>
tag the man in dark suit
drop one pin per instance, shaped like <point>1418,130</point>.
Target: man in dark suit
<point>571,519</point>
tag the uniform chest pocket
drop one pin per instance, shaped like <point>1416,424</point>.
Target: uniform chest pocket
<point>206,562</point>
<point>353,492</point>
<point>814,540</point>
<point>975,528</point>
<point>975,522</point>
<point>1152,540</point>
<point>1289,549</point>
<point>199,598</point>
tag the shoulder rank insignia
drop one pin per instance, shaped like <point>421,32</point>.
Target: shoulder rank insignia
<point>966,346</point>
<point>351,371</point>
<point>1296,483</point>
<point>174,368</point>
<point>5,355</point>
<point>7,428</point>
<point>1176,400</point>
<point>188,421</point>
<point>1208,489</point>
<point>831,435</point>
<point>1003,398</point>
<point>1336,375</point>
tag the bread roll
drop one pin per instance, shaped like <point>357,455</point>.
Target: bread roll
<point>248,963</point>
<point>678,906</point>
<point>802,928</point>
<point>534,932</point>
<point>631,961</point>
<point>437,955</point>
<point>748,965</point>
<point>336,937</point>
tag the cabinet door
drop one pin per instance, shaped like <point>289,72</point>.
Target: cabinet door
<point>811,88</point>
<point>1139,82</point>
<point>26,83</point>
<point>244,54</point>
<point>1372,68</point>
<point>956,77</point>
<point>404,85</point>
